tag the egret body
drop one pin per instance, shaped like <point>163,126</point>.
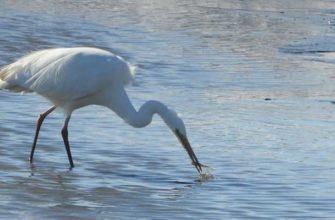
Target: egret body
<point>72,78</point>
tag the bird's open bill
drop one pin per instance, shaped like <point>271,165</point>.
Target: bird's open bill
<point>186,144</point>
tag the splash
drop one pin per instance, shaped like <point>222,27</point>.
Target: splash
<point>206,174</point>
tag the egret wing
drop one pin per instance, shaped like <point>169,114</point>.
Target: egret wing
<point>65,74</point>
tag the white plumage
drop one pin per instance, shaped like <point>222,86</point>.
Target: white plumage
<point>72,78</point>
<point>51,72</point>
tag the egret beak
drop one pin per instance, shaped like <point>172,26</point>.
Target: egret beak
<point>186,144</point>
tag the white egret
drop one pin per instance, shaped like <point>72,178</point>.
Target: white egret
<point>72,78</point>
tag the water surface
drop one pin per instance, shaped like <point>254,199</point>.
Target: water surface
<point>253,81</point>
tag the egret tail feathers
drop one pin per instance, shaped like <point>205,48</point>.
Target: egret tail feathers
<point>5,73</point>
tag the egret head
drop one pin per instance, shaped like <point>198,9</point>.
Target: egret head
<point>176,124</point>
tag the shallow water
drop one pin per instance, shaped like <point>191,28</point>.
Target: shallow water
<point>253,81</point>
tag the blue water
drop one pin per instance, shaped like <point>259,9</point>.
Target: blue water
<point>253,81</point>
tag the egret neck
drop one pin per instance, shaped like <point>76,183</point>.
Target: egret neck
<point>118,101</point>
<point>121,105</point>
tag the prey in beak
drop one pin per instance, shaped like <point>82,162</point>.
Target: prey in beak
<point>186,144</point>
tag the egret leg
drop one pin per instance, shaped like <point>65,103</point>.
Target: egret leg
<point>66,140</point>
<point>38,127</point>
